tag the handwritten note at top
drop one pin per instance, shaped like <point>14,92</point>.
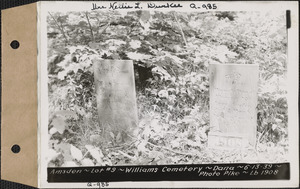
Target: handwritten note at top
<point>233,101</point>
<point>152,5</point>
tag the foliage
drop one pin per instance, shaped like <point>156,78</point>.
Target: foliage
<point>171,53</point>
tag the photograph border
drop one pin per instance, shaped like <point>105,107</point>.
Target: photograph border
<point>293,76</point>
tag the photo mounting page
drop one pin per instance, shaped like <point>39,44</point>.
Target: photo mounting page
<point>168,94</point>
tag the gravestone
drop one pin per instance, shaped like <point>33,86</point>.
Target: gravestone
<point>233,101</point>
<point>116,98</point>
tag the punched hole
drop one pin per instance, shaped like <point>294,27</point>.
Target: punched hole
<point>15,44</point>
<point>15,148</point>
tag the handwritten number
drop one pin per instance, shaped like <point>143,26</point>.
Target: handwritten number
<point>104,184</point>
<point>246,167</point>
<point>113,169</point>
<point>207,6</point>
<point>267,166</point>
<point>98,184</point>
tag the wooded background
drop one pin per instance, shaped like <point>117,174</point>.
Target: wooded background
<point>171,52</point>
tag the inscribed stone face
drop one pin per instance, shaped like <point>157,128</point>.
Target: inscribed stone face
<point>233,101</point>
<point>116,97</point>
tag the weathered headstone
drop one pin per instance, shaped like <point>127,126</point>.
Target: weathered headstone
<point>233,101</point>
<point>116,98</point>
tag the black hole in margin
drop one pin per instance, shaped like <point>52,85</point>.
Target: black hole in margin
<point>15,148</point>
<point>15,44</point>
<point>288,19</point>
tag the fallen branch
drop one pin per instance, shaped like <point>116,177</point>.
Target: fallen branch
<point>165,148</point>
<point>126,155</point>
<point>176,152</point>
<point>122,146</point>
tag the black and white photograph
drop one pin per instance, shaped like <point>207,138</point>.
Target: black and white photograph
<point>141,88</point>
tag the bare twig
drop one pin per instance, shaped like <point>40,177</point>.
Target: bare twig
<point>60,28</point>
<point>91,30</point>
<point>183,36</point>
<point>267,129</point>
<point>84,155</point>
<point>172,71</point>
<point>122,146</point>
<point>176,152</point>
<point>126,155</point>
<point>104,28</point>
